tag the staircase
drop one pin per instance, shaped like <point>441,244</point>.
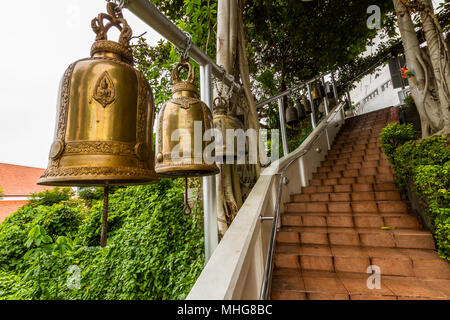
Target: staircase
<point>351,216</point>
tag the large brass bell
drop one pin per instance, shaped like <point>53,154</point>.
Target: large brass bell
<point>300,110</point>
<point>291,116</point>
<point>179,146</point>
<point>104,126</point>
<point>224,122</point>
<point>307,104</point>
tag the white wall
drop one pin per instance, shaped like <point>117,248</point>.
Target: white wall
<point>375,91</point>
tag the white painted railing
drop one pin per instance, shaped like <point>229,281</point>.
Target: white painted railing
<point>236,268</point>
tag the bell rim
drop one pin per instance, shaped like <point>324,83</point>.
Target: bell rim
<point>99,181</point>
<point>187,171</point>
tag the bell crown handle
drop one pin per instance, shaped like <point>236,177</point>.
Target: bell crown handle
<point>176,72</point>
<point>115,19</point>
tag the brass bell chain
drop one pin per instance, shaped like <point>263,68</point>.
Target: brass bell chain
<point>185,55</point>
<point>216,81</point>
<point>104,216</point>
<point>186,209</point>
<point>120,4</point>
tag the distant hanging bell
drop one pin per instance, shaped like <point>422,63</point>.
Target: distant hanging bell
<point>182,123</point>
<point>291,116</point>
<point>224,122</point>
<point>104,126</point>
<point>300,110</point>
<point>306,104</point>
<point>316,92</point>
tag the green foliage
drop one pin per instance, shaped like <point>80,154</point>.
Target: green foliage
<point>12,287</point>
<point>50,197</point>
<point>154,251</point>
<point>62,219</point>
<point>409,102</point>
<point>394,135</point>
<point>425,164</point>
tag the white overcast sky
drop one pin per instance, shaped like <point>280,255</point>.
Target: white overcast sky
<point>39,41</point>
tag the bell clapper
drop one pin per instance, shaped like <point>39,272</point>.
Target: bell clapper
<point>186,209</point>
<point>104,216</point>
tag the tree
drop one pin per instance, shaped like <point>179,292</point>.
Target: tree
<point>429,66</point>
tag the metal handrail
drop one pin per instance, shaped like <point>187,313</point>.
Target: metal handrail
<point>268,270</point>
<point>150,14</point>
<point>290,90</point>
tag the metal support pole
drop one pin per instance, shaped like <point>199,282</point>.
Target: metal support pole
<point>325,100</point>
<point>283,127</point>
<point>313,112</point>
<point>209,183</point>
<point>334,88</point>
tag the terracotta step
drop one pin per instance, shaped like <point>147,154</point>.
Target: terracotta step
<point>347,196</point>
<point>289,284</point>
<point>347,206</point>
<point>346,220</point>
<point>349,173</point>
<point>392,261</point>
<point>379,178</point>
<point>350,147</point>
<point>400,238</point>
<point>358,159</point>
<point>356,187</point>
<point>331,167</point>
<point>353,154</point>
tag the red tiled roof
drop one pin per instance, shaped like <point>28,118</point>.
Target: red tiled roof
<point>9,206</point>
<point>20,180</point>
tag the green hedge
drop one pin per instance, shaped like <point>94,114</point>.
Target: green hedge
<point>154,251</point>
<point>427,164</point>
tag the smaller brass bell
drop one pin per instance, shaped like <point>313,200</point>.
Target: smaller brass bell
<point>316,92</point>
<point>182,123</point>
<point>322,107</point>
<point>291,116</point>
<point>306,104</point>
<point>224,122</point>
<point>300,110</point>
<point>329,90</point>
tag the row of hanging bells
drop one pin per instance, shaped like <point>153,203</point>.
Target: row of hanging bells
<point>105,117</point>
<point>299,111</point>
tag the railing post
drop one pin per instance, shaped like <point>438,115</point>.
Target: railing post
<point>209,183</point>
<point>313,112</point>
<point>334,88</point>
<point>325,100</point>
<point>283,127</point>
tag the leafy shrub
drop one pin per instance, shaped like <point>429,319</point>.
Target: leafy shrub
<point>61,219</point>
<point>394,135</point>
<point>154,251</point>
<point>425,164</point>
<point>432,183</point>
<point>50,197</point>
<point>12,287</point>
<point>409,102</point>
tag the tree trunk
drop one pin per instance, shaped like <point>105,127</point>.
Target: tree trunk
<point>229,193</point>
<point>439,59</point>
<point>422,86</point>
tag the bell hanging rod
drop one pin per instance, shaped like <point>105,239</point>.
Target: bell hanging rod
<point>147,12</point>
<point>290,90</point>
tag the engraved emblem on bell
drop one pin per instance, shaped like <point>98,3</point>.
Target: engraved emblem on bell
<point>104,91</point>
<point>104,132</point>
